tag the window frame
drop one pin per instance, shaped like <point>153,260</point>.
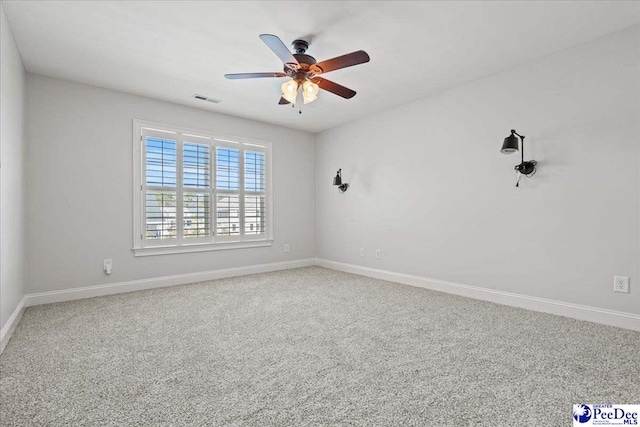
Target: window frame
<point>145,247</point>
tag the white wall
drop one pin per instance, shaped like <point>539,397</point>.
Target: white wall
<point>80,187</point>
<point>12,173</point>
<point>430,188</point>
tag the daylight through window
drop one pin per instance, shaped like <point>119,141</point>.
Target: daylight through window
<point>199,189</point>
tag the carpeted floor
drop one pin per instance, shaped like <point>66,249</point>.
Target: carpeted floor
<point>308,346</point>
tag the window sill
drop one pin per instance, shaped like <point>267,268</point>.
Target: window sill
<point>167,250</point>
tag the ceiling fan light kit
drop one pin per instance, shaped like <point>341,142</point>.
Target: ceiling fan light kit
<point>304,72</point>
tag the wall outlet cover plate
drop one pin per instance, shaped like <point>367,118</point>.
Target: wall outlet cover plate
<point>621,284</point>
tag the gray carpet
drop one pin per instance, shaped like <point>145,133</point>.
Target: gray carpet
<point>308,346</point>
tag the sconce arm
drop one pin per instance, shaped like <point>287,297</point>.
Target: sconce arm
<point>522,140</point>
<point>516,133</point>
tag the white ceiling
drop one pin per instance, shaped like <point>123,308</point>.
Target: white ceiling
<point>171,50</point>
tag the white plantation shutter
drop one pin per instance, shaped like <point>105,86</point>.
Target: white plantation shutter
<point>227,169</point>
<point>254,171</point>
<point>254,215</point>
<point>228,215</point>
<point>254,200</point>
<point>160,195</point>
<point>161,162</point>
<point>161,214</point>
<point>197,215</point>
<point>196,206</point>
<point>197,189</point>
<point>197,165</point>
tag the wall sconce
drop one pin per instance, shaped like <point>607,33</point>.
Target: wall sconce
<point>511,145</point>
<point>338,181</point>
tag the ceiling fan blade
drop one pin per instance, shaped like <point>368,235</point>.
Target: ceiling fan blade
<point>275,44</point>
<point>283,101</point>
<point>253,75</point>
<point>344,61</point>
<point>335,88</point>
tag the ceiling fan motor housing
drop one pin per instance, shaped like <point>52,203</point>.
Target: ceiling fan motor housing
<point>305,61</point>
<point>299,46</point>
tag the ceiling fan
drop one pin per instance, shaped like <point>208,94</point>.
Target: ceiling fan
<point>304,72</point>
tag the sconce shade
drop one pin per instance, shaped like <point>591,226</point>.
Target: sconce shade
<point>337,180</point>
<point>510,144</point>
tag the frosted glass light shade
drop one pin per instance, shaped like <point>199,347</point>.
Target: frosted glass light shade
<point>310,88</point>
<point>290,90</point>
<point>310,91</point>
<point>307,98</point>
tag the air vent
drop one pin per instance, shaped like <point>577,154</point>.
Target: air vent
<point>205,98</point>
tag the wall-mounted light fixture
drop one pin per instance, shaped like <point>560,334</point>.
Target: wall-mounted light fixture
<point>511,145</point>
<point>338,181</point>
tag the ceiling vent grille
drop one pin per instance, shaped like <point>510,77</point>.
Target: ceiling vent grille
<point>206,98</point>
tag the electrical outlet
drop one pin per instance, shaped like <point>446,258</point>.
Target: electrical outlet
<point>286,247</point>
<point>378,254</point>
<point>107,265</point>
<point>621,284</point>
<point>361,251</point>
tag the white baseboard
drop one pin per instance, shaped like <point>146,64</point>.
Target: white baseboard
<point>158,282</point>
<point>12,322</point>
<point>575,311</point>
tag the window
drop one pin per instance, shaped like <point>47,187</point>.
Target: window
<point>197,191</point>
